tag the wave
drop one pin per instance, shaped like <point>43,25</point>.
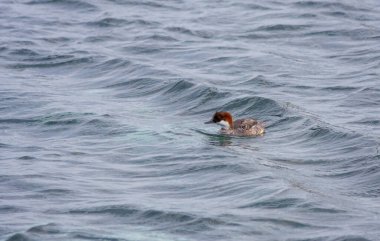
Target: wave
<point>119,22</point>
<point>71,4</point>
<point>50,61</point>
<point>148,4</point>
<point>328,5</point>
<point>153,217</point>
<point>186,31</point>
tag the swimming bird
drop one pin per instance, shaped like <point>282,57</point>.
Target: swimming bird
<point>241,127</point>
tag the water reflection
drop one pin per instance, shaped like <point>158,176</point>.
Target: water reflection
<point>216,139</point>
<point>220,140</point>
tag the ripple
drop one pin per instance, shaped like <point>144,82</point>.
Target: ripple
<point>119,22</point>
<point>355,34</point>
<point>11,209</point>
<point>70,4</point>
<point>66,118</point>
<point>328,5</point>
<point>51,61</point>
<point>26,158</point>
<point>24,52</point>
<point>109,22</point>
<point>258,106</point>
<point>274,204</point>
<point>282,27</point>
<point>49,228</point>
<point>154,217</point>
<point>286,223</point>
<point>195,33</point>
<point>258,81</point>
<point>17,121</point>
<point>19,237</point>
<point>158,37</point>
<point>145,3</point>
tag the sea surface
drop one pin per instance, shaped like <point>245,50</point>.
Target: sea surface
<point>102,111</point>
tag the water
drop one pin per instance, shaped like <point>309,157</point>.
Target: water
<point>102,105</point>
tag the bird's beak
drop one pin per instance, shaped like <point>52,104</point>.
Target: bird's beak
<point>209,122</point>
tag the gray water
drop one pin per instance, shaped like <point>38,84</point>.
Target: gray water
<point>102,105</point>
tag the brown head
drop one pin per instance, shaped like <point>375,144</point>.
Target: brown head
<point>222,118</point>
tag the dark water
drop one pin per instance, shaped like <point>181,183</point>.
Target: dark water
<point>102,105</point>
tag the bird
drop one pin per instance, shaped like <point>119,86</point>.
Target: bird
<point>240,127</point>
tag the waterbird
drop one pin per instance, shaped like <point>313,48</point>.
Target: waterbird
<point>240,127</point>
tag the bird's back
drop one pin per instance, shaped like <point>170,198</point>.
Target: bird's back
<point>248,127</point>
